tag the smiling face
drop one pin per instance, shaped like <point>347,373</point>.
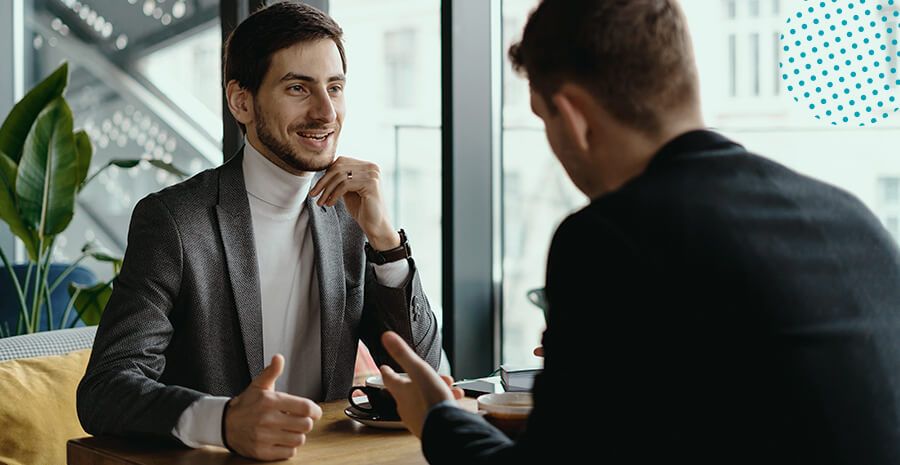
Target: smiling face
<point>298,110</point>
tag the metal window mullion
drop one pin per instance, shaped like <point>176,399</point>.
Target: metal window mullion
<point>470,134</point>
<point>12,85</point>
<point>231,13</point>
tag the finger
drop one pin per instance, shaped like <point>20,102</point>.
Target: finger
<point>266,379</point>
<point>404,356</point>
<point>282,421</point>
<point>335,191</point>
<point>391,379</point>
<point>336,169</point>
<point>448,379</point>
<point>458,393</point>
<point>286,438</point>
<point>539,351</point>
<point>295,424</point>
<point>297,406</point>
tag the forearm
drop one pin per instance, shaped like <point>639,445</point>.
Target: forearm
<point>404,309</point>
<point>452,435</point>
<point>120,402</point>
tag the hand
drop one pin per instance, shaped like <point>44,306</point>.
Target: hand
<point>424,387</point>
<point>268,425</point>
<point>359,184</point>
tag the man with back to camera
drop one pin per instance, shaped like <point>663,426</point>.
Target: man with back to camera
<point>708,305</point>
<point>246,262</point>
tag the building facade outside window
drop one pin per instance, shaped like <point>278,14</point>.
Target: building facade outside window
<point>739,51</point>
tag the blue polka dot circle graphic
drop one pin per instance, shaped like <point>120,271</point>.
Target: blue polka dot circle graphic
<point>840,59</point>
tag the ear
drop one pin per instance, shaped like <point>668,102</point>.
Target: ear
<point>573,104</point>
<point>240,102</point>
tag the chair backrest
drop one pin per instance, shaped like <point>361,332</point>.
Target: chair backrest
<point>58,342</point>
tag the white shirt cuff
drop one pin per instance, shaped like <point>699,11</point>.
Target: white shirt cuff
<point>201,423</point>
<point>392,274</point>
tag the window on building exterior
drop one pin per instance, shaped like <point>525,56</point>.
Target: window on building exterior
<point>741,58</point>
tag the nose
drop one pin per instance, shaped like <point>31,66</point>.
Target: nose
<point>322,108</point>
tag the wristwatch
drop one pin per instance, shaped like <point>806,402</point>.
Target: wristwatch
<point>386,256</point>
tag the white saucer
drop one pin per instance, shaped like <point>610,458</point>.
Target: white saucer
<point>371,419</point>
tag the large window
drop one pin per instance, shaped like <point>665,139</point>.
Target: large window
<point>393,99</point>
<point>740,56</point>
<point>537,195</point>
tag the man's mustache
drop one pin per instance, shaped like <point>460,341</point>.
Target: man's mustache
<point>312,126</point>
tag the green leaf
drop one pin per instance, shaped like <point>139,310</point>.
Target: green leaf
<point>104,256</point>
<point>130,163</point>
<point>168,167</point>
<point>83,151</point>
<point>19,121</point>
<point>45,184</point>
<point>9,212</point>
<point>91,301</point>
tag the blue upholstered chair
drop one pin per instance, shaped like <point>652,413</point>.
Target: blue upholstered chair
<point>59,298</point>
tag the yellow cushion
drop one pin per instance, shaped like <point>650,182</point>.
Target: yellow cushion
<point>37,407</point>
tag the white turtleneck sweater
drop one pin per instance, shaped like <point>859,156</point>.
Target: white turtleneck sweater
<point>289,290</point>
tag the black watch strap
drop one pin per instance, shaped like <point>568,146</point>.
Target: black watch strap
<point>401,252</point>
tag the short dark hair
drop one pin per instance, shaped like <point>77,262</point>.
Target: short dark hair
<point>250,46</point>
<point>635,56</point>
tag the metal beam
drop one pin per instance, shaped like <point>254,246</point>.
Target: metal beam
<point>165,37</point>
<point>231,13</point>
<point>471,135</point>
<point>12,35</point>
<point>129,88</point>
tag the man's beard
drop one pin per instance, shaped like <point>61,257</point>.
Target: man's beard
<point>284,151</point>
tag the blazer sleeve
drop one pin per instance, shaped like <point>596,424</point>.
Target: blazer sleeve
<point>405,310</point>
<point>120,393</point>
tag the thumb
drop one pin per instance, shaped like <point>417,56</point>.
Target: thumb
<point>266,379</point>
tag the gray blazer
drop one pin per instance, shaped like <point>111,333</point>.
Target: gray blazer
<point>184,318</point>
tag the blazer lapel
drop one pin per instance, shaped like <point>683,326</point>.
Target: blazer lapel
<point>236,228</point>
<point>326,231</point>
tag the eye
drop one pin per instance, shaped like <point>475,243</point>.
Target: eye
<point>297,88</point>
<point>337,88</point>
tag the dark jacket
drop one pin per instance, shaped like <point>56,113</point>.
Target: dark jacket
<point>719,308</point>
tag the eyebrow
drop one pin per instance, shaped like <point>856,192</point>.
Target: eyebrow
<point>300,77</point>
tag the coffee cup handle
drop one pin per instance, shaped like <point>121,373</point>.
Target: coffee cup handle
<point>358,406</point>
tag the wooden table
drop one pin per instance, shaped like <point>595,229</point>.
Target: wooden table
<point>335,439</point>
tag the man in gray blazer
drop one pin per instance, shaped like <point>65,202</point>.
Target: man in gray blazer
<point>247,263</point>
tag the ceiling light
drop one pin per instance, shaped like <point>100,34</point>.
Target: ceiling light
<point>178,9</point>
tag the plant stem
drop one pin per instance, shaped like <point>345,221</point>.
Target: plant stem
<point>28,276</point>
<point>91,177</point>
<point>69,306</point>
<point>67,271</point>
<point>47,265</point>
<point>37,297</point>
<point>93,300</point>
<point>49,306</point>
<point>12,275</point>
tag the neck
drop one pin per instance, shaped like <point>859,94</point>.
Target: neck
<point>628,152</point>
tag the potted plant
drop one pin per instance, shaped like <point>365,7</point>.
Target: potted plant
<point>44,164</point>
